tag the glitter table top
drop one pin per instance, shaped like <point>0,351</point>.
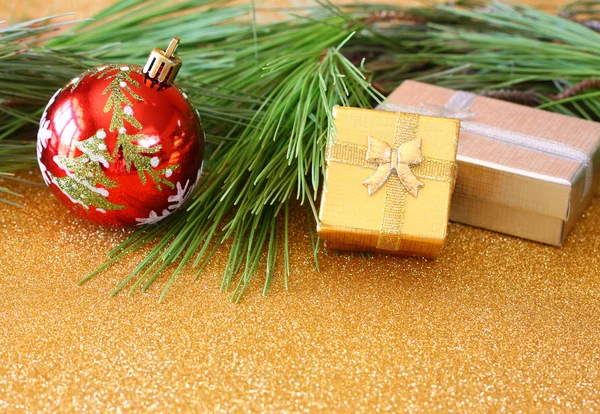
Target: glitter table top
<point>495,322</point>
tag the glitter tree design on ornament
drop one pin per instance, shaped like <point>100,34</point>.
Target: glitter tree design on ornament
<point>84,173</point>
<point>121,105</point>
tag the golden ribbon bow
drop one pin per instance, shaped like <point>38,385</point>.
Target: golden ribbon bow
<point>394,160</point>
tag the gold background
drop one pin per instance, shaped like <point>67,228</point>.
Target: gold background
<point>495,322</point>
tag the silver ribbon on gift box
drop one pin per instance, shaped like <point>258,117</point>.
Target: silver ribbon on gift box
<point>458,106</point>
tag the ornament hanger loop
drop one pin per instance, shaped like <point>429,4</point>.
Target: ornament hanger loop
<point>162,66</point>
<point>172,46</point>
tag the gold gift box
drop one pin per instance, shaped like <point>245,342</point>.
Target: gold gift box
<point>388,182</point>
<point>523,171</point>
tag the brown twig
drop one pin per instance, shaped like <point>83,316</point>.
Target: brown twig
<point>592,24</point>
<point>527,97</point>
<point>324,54</point>
<point>392,15</point>
<point>530,97</point>
<point>377,86</point>
<point>576,89</point>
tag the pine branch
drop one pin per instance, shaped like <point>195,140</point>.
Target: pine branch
<point>501,47</point>
<point>265,93</point>
<point>276,158</point>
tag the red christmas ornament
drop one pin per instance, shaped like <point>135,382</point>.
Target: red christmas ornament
<point>119,145</point>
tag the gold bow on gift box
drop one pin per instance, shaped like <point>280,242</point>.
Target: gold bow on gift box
<point>394,160</point>
<point>399,159</point>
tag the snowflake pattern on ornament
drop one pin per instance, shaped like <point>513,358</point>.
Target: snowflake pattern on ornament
<point>44,134</point>
<point>177,201</point>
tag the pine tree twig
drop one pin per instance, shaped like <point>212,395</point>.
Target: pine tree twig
<point>323,55</point>
<point>522,97</point>
<point>592,24</point>
<point>576,89</point>
<point>530,97</point>
<point>377,87</point>
<point>386,16</point>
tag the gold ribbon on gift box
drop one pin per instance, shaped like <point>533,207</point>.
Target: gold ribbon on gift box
<point>399,169</point>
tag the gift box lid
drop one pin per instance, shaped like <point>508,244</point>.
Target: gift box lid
<point>529,159</point>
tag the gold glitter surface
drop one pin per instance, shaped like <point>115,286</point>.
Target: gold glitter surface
<point>495,322</point>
